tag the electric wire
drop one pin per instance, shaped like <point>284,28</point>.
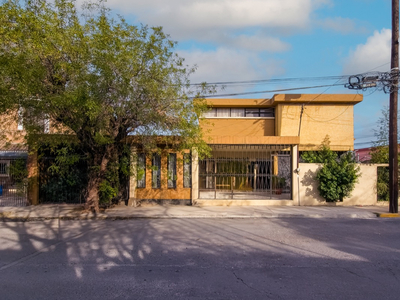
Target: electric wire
<point>268,91</point>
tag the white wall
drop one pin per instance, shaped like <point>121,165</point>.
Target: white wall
<point>364,192</point>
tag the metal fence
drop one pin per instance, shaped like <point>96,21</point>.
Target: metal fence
<point>13,182</point>
<point>246,172</point>
<point>56,187</point>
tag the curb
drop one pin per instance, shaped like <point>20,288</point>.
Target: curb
<point>10,218</point>
<point>387,215</point>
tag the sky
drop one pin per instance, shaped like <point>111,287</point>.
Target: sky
<point>310,41</point>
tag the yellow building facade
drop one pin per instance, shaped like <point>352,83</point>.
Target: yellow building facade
<point>255,148</point>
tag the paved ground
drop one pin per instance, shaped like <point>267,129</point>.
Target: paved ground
<point>203,258</point>
<point>74,212</point>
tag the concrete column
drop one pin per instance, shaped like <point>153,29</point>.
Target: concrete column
<point>33,177</point>
<point>195,177</point>
<point>295,176</point>
<point>133,178</point>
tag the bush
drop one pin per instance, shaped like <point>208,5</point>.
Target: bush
<point>338,175</point>
<point>337,178</point>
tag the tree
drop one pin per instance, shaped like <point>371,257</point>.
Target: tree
<point>338,175</point>
<point>99,77</point>
<point>323,155</point>
<point>380,154</point>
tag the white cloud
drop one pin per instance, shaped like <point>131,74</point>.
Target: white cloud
<point>374,53</point>
<point>217,21</point>
<point>225,64</point>
<point>183,15</point>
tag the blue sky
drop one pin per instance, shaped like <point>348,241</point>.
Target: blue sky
<point>239,40</point>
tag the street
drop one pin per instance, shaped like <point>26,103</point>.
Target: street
<point>287,258</point>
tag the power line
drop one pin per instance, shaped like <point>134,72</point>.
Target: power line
<point>269,91</point>
<point>274,80</point>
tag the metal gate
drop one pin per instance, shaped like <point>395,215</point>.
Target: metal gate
<point>66,187</point>
<point>246,172</point>
<point>13,182</point>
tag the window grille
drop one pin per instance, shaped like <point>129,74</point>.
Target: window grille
<point>172,170</point>
<point>3,168</point>
<point>187,170</point>
<point>220,112</point>
<point>141,170</point>
<point>156,171</point>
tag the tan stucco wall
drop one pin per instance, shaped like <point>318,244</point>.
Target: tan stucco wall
<point>238,127</point>
<point>364,192</point>
<point>164,192</point>
<point>9,129</point>
<point>335,120</point>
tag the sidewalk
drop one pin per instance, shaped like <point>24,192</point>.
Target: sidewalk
<point>74,212</point>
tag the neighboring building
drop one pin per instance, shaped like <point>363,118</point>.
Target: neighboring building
<point>363,155</point>
<point>255,145</point>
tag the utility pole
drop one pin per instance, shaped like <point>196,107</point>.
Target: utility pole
<point>393,146</point>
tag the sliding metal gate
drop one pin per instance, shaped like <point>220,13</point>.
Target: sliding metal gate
<point>246,172</point>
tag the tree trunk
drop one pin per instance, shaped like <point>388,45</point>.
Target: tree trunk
<point>94,180</point>
<point>92,200</point>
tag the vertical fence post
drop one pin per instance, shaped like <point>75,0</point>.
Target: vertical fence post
<point>33,178</point>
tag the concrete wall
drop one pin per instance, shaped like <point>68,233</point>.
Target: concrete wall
<point>335,120</point>
<point>363,194</point>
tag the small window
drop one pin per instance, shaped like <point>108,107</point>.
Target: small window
<point>20,119</point>
<point>211,113</point>
<point>172,170</point>
<point>266,112</point>
<point>237,112</point>
<point>187,170</point>
<point>141,170</point>
<point>156,172</point>
<point>223,112</point>
<point>3,168</point>
<point>252,112</point>
<point>46,124</point>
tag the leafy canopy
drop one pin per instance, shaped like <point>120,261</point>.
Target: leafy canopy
<point>96,77</point>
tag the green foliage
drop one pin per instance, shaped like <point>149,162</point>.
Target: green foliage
<point>101,78</point>
<point>18,170</point>
<point>382,185</point>
<point>380,154</point>
<point>338,175</point>
<point>323,155</point>
<point>63,173</point>
<point>278,182</point>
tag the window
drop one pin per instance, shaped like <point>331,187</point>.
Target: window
<point>252,112</point>
<point>187,170</point>
<point>220,112</point>
<point>141,170</point>
<point>156,171</point>
<point>223,112</point>
<point>172,170</point>
<point>211,113</point>
<point>20,119</point>
<point>237,112</point>
<point>3,168</point>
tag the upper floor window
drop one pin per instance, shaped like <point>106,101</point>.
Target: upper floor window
<point>220,112</point>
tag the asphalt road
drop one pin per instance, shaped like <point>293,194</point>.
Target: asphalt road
<point>291,258</point>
